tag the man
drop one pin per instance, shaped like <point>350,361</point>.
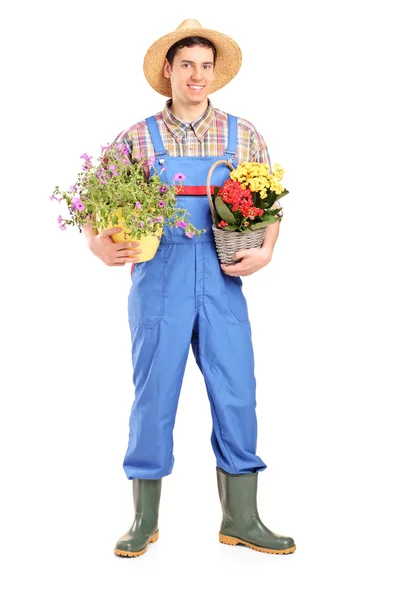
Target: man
<point>183,296</point>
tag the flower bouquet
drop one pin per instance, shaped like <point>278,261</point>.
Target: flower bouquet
<point>117,191</point>
<point>242,208</point>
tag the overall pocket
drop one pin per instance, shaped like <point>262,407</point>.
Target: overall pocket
<point>146,296</point>
<point>236,300</point>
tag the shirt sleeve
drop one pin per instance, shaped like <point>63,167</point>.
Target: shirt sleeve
<point>259,153</point>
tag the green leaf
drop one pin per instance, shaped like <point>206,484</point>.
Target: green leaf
<point>270,218</point>
<point>229,228</point>
<point>216,190</point>
<point>223,210</point>
<point>255,226</point>
<point>269,200</point>
<point>282,194</point>
<point>271,213</point>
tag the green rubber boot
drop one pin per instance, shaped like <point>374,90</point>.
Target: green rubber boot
<point>144,530</point>
<point>241,523</point>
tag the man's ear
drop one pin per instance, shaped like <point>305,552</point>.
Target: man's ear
<point>167,69</point>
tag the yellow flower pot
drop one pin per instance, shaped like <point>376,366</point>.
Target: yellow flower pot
<point>148,243</point>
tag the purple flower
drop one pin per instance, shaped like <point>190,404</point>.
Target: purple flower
<point>63,226</point>
<point>77,204</point>
<point>87,159</point>
<point>138,205</point>
<point>53,197</point>
<point>161,204</point>
<point>141,224</point>
<point>182,224</point>
<point>163,169</point>
<point>151,161</point>
<point>179,177</point>
<point>59,218</point>
<point>163,189</point>
<point>72,188</point>
<point>189,234</point>
<point>159,219</point>
<point>102,148</point>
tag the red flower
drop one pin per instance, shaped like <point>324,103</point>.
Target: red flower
<point>232,193</point>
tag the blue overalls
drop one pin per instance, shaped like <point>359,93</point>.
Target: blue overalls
<point>181,297</point>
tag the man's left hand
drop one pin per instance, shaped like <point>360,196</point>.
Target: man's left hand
<point>253,260</point>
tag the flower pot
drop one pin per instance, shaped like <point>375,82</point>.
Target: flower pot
<point>148,243</point>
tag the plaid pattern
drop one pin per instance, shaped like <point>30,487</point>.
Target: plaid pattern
<point>206,136</point>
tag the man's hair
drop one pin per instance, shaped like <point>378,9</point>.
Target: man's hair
<point>188,42</point>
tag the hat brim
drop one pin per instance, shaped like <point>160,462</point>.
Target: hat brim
<point>228,63</point>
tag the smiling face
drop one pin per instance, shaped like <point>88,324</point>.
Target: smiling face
<point>191,74</point>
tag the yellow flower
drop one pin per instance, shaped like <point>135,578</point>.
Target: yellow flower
<point>278,171</point>
<point>259,178</point>
<point>253,175</point>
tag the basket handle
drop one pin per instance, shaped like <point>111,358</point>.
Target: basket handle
<point>210,172</point>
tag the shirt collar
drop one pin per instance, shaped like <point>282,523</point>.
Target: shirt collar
<point>178,128</point>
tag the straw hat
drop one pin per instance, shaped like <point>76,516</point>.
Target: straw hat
<point>229,56</point>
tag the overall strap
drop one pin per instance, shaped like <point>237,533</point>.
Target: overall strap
<point>159,149</point>
<point>232,136</point>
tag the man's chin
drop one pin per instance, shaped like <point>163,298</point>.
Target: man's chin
<point>197,99</point>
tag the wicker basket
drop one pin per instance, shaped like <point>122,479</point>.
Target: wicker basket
<point>229,242</point>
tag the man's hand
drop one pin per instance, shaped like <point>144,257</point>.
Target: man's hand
<point>253,260</point>
<point>112,253</point>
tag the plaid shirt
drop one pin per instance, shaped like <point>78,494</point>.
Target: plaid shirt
<point>206,136</point>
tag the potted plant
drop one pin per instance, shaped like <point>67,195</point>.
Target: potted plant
<point>116,191</point>
<point>242,208</point>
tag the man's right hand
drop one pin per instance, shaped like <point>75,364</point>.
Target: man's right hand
<point>113,254</point>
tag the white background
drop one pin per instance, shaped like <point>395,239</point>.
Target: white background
<point>319,81</point>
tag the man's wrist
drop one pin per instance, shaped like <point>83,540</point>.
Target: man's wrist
<point>267,251</point>
<point>271,235</point>
<point>90,232</point>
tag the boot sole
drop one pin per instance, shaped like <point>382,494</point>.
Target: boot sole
<point>232,541</point>
<point>154,538</point>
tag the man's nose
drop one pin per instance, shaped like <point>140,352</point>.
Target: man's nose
<point>196,74</point>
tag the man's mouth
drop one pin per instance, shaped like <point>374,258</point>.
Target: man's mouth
<point>195,87</point>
